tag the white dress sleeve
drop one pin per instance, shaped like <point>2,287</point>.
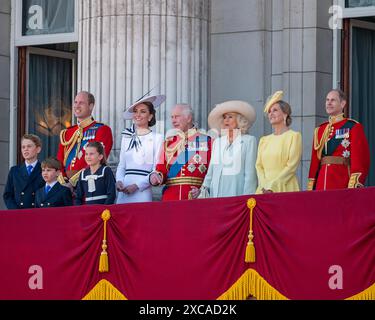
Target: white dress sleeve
<point>121,168</point>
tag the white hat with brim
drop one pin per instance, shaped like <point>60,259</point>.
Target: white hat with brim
<point>276,97</point>
<point>155,100</point>
<point>215,118</point>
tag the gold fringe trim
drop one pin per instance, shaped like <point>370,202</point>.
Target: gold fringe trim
<point>104,290</point>
<point>252,284</point>
<point>368,294</point>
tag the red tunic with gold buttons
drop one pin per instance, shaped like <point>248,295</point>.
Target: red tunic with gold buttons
<point>184,162</point>
<point>71,152</point>
<point>340,156</point>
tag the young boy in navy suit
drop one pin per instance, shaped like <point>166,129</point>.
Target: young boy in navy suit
<point>23,180</point>
<point>52,194</point>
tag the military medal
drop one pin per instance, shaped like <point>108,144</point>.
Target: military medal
<point>203,146</point>
<point>342,133</point>
<point>202,168</point>
<point>345,143</point>
<point>192,167</point>
<point>197,158</point>
<point>346,154</point>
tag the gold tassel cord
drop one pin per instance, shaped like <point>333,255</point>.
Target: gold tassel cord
<point>103,261</point>
<point>250,248</point>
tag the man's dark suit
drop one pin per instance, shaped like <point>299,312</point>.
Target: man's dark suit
<point>19,192</point>
<point>58,196</point>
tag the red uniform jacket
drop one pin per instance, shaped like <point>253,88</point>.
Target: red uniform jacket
<point>184,163</point>
<point>345,140</point>
<point>71,152</point>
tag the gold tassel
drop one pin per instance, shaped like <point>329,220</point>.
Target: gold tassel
<point>250,249</point>
<point>103,261</point>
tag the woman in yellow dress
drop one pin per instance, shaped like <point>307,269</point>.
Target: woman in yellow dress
<point>279,154</point>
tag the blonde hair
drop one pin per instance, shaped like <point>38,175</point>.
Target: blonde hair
<point>243,124</point>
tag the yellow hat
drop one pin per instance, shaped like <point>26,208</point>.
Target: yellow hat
<point>276,97</point>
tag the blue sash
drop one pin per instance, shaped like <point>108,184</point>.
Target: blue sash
<point>88,135</point>
<point>182,160</point>
<point>333,144</point>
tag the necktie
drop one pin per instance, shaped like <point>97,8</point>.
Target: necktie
<point>29,169</point>
<point>48,188</point>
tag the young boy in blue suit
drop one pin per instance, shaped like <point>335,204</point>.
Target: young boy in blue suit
<point>23,180</point>
<point>52,194</point>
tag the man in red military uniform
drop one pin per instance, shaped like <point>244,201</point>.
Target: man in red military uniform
<point>71,152</point>
<point>340,154</point>
<point>184,159</point>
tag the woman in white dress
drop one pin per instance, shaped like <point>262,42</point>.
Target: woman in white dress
<point>140,148</point>
<point>232,167</point>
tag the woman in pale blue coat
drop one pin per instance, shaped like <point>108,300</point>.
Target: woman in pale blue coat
<point>232,168</point>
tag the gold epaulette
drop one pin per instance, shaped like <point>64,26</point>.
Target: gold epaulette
<point>74,179</point>
<point>61,179</point>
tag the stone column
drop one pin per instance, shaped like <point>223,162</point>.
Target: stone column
<point>128,47</point>
<point>302,63</point>
<point>5,8</point>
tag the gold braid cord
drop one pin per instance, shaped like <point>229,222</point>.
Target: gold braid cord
<point>75,139</point>
<point>179,146</point>
<point>319,145</point>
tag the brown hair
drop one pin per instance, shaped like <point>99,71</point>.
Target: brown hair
<point>90,97</point>
<point>152,111</point>
<point>342,94</point>
<point>34,138</point>
<point>51,163</point>
<point>286,108</point>
<point>100,148</point>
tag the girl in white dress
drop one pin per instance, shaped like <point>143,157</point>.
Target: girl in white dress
<point>140,148</point>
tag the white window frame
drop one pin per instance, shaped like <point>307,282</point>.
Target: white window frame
<point>356,12</point>
<point>21,40</point>
<point>346,14</point>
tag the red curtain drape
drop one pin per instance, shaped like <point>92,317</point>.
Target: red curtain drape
<point>191,250</point>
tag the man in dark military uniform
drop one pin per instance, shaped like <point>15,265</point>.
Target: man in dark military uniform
<point>71,152</point>
<point>340,154</point>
